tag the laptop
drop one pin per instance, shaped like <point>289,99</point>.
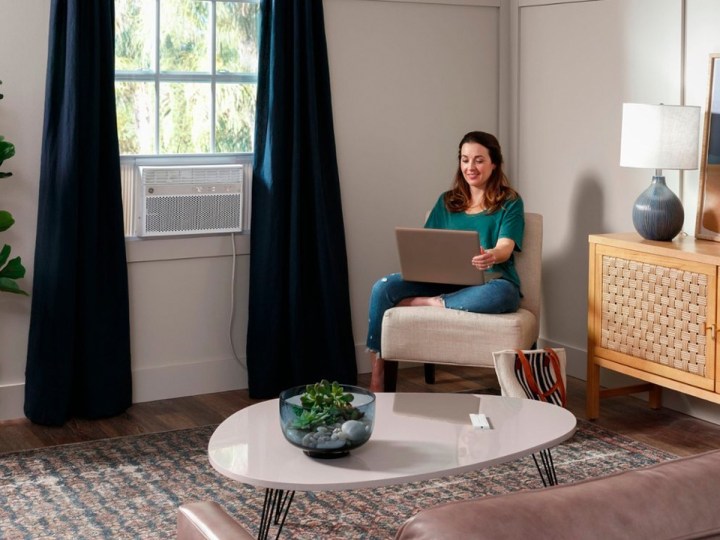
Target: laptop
<point>440,256</point>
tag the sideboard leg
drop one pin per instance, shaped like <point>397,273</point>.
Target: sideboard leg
<point>593,391</point>
<point>655,397</point>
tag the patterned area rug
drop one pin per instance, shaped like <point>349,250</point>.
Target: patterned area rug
<point>131,487</point>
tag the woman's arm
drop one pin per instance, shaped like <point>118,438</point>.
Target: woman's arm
<point>499,254</point>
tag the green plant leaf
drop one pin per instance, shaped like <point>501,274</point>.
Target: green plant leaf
<point>9,285</point>
<point>7,149</point>
<point>4,254</point>
<point>14,269</point>
<point>6,220</point>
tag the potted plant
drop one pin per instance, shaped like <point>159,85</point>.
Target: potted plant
<point>10,269</point>
<point>327,419</point>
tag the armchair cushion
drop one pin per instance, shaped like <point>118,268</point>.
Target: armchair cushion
<point>448,336</point>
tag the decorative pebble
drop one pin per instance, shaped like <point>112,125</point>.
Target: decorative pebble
<point>333,437</point>
<point>354,430</point>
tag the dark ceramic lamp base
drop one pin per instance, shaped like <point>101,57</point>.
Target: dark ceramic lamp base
<point>658,213</point>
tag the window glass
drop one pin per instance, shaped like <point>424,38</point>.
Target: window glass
<point>235,120</point>
<point>184,118</point>
<point>185,36</point>
<point>135,103</point>
<point>135,35</point>
<point>237,37</point>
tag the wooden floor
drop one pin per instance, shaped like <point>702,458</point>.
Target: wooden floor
<point>666,429</point>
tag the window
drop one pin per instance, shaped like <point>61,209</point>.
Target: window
<point>186,76</point>
<point>185,87</point>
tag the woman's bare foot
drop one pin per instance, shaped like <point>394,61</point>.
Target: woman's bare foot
<point>434,301</point>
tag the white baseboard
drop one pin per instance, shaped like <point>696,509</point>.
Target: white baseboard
<point>209,376</point>
<point>150,384</point>
<point>12,399</point>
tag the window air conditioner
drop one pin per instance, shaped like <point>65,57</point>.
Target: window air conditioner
<point>189,200</point>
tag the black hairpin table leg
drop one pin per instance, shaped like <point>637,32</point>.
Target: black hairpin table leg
<point>275,510</point>
<point>547,473</point>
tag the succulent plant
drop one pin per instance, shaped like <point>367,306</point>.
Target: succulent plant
<point>324,403</point>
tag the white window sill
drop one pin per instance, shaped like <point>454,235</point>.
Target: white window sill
<point>185,247</point>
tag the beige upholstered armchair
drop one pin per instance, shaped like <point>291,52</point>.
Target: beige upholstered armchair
<point>432,335</point>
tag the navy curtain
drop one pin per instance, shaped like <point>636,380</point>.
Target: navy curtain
<point>299,327</point>
<point>79,345</point>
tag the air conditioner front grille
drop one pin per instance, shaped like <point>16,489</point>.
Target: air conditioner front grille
<point>185,214</point>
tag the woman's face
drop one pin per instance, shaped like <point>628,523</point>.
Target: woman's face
<point>475,164</point>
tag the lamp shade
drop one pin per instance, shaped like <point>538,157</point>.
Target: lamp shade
<point>659,136</point>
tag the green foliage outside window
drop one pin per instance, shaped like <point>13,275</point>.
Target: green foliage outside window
<point>180,100</point>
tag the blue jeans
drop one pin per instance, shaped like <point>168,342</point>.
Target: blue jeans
<point>496,296</point>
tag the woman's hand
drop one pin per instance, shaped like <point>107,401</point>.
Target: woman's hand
<point>490,257</point>
<point>485,260</point>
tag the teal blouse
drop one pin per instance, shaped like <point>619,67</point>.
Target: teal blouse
<point>508,222</point>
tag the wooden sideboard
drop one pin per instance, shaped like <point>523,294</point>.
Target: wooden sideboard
<point>652,314</point>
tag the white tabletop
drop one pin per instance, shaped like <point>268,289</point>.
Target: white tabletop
<point>416,436</point>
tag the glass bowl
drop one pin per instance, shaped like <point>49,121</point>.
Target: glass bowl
<point>328,431</point>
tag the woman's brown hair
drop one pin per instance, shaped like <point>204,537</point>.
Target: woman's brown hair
<point>497,189</point>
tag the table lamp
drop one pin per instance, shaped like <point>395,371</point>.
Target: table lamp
<point>659,137</point>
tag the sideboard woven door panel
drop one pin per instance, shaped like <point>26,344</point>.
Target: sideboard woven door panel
<point>653,314</point>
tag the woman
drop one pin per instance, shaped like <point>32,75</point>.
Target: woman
<point>481,200</point>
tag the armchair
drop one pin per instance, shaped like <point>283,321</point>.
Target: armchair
<point>431,335</point>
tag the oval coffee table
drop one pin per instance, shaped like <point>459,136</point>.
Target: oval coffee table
<point>417,436</point>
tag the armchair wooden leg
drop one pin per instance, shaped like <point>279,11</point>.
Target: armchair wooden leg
<point>391,372</point>
<point>429,373</point>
